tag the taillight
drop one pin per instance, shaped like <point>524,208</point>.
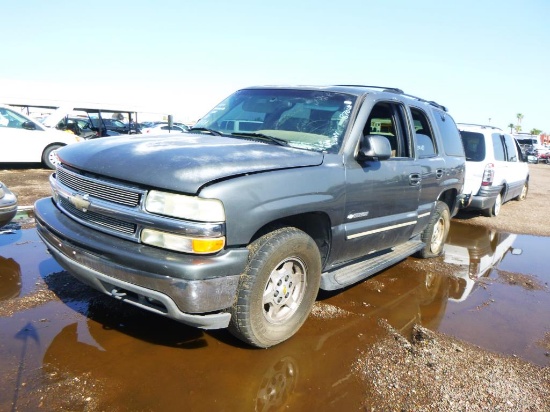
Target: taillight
<point>488,175</point>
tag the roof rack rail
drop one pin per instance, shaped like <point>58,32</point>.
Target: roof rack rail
<point>384,88</point>
<point>430,102</point>
<point>398,91</point>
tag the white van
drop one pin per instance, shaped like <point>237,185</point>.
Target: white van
<point>24,140</point>
<point>495,168</point>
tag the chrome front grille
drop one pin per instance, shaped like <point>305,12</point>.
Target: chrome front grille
<point>101,190</point>
<point>96,219</point>
<point>105,205</point>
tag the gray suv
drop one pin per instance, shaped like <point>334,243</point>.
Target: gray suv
<point>231,228</point>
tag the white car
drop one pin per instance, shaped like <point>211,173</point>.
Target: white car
<point>496,171</point>
<point>25,140</point>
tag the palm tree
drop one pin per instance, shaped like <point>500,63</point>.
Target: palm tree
<point>536,132</point>
<point>511,126</point>
<point>520,118</point>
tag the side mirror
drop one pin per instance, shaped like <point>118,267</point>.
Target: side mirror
<point>28,125</point>
<point>374,147</point>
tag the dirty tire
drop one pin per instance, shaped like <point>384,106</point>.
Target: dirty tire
<point>495,209</point>
<point>523,195</point>
<point>48,156</point>
<point>436,232</point>
<point>278,288</point>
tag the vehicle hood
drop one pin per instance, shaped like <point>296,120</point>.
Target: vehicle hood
<point>184,162</point>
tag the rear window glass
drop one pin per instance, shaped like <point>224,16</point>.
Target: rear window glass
<point>474,146</point>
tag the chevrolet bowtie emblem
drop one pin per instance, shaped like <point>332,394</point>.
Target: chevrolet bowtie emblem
<point>79,201</point>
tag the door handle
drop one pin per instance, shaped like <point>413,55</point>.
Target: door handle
<point>415,179</point>
<point>439,173</point>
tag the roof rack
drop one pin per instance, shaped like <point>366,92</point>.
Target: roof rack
<point>398,91</point>
<point>430,102</point>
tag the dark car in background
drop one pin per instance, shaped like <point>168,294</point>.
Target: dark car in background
<point>101,124</point>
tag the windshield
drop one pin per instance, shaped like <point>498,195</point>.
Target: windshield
<point>308,119</point>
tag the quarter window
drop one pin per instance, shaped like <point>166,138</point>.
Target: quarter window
<point>449,133</point>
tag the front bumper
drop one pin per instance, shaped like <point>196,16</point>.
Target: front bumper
<point>187,288</point>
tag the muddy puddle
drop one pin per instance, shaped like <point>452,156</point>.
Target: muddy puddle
<point>65,346</point>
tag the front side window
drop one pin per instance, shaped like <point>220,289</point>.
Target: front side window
<point>309,119</point>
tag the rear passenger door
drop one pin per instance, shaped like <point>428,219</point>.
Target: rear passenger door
<point>432,163</point>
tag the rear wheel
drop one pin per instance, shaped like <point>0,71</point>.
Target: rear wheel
<point>49,157</point>
<point>278,289</point>
<point>436,232</point>
<point>495,210</point>
<point>523,195</point>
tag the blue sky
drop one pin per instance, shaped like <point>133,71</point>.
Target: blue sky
<point>482,59</point>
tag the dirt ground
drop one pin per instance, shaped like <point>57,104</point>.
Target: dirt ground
<point>430,371</point>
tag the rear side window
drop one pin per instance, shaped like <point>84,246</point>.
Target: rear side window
<point>509,144</point>
<point>449,133</point>
<point>425,144</point>
<point>474,146</point>
<point>498,147</point>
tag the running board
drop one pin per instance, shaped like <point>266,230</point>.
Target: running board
<point>350,274</point>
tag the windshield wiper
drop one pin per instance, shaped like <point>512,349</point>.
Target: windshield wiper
<point>276,140</point>
<point>205,129</point>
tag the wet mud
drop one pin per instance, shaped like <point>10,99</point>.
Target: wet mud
<point>66,346</point>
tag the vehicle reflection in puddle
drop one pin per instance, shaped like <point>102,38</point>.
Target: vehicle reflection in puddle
<point>73,348</point>
<point>475,251</point>
<point>502,302</point>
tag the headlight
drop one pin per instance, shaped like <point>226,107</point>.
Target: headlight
<point>185,207</point>
<point>182,243</point>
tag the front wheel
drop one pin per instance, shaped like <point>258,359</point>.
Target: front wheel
<point>49,157</point>
<point>435,234</point>
<point>278,288</point>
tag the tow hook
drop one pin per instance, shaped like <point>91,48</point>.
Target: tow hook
<point>464,200</point>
